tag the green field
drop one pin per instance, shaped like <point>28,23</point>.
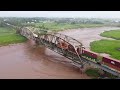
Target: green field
<point>9,36</point>
<point>111,34</point>
<point>63,26</point>
<point>95,73</point>
<point>111,47</point>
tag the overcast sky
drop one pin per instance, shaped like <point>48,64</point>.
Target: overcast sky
<point>93,14</point>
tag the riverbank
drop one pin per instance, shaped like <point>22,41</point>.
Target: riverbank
<point>111,47</point>
<point>9,36</point>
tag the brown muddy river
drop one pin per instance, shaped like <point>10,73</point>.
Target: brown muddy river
<point>27,61</point>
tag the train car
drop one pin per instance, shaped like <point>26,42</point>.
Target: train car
<point>108,62</point>
<point>112,63</point>
<point>90,56</point>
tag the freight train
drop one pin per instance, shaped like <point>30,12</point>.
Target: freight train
<point>94,57</point>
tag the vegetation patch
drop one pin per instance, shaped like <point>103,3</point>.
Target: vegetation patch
<point>9,36</point>
<point>95,73</point>
<point>115,34</point>
<point>106,46</point>
<point>111,47</point>
<point>118,49</point>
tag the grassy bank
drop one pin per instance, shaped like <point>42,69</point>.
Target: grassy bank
<point>97,74</point>
<point>9,36</point>
<point>111,34</point>
<point>94,73</point>
<point>111,47</point>
<point>107,46</point>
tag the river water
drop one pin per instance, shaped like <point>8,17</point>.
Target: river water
<point>28,61</point>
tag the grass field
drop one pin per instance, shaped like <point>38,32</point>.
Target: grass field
<point>62,26</point>
<point>9,36</point>
<point>94,73</point>
<point>111,47</point>
<point>111,34</point>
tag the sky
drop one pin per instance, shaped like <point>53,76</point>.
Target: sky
<point>73,14</point>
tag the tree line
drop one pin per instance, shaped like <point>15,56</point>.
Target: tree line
<point>25,21</point>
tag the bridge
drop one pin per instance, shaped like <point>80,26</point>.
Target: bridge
<point>51,41</point>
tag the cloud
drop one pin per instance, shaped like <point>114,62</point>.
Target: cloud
<point>93,14</point>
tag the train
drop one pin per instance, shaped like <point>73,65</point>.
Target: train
<point>92,56</point>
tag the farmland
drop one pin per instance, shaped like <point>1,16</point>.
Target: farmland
<point>9,36</point>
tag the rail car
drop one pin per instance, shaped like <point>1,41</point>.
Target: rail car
<point>105,61</point>
<point>91,56</point>
<point>114,64</point>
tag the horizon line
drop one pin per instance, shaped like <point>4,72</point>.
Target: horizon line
<point>58,17</point>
